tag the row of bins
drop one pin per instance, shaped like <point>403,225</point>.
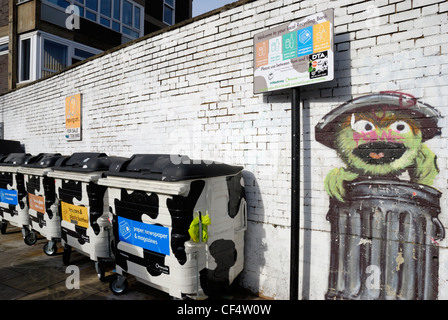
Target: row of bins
<point>173,223</point>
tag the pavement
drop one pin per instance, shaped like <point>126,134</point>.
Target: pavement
<point>27,273</point>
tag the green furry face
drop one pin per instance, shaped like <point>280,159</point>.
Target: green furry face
<point>378,144</point>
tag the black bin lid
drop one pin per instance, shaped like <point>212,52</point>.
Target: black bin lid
<point>86,162</point>
<point>166,167</point>
<point>43,160</point>
<point>15,159</point>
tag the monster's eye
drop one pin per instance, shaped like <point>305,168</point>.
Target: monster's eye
<point>400,126</point>
<point>363,126</point>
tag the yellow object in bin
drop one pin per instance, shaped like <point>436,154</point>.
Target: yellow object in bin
<point>198,223</point>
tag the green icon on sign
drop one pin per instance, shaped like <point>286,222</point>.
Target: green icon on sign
<point>290,45</point>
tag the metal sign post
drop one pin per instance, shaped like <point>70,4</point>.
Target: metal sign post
<point>289,56</point>
<point>295,194</point>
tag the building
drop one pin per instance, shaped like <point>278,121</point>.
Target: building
<point>40,37</point>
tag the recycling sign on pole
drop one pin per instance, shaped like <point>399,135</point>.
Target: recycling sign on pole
<point>295,54</point>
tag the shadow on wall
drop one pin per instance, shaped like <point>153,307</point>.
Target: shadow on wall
<point>254,253</point>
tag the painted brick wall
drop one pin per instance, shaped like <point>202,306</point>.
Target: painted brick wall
<point>189,91</point>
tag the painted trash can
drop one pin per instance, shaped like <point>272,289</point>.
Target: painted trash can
<point>43,205</point>
<point>84,209</point>
<point>13,196</point>
<point>161,204</point>
<point>384,242</point>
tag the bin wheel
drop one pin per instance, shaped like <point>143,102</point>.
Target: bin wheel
<point>50,248</point>
<point>100,270</point>
<point>66,255</point>
<point>3,227</point>
<point>118,288</point>
<point>30,238</point>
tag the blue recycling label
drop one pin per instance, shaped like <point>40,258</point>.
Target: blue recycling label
<point>305,41</point>
<point>9,196</point>
<point>144,235</point>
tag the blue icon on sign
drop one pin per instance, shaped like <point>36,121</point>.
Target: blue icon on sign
<point>125,230</point>
<point>305,41</point>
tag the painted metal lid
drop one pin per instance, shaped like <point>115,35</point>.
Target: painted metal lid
<point>426,116</point>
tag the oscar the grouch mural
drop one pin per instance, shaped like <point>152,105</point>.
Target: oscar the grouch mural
<point>384,229</point>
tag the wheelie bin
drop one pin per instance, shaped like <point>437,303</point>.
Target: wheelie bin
<point>178,224</point>
<point>13,196</point>
<point>44,215</point>
<point>85,224</point>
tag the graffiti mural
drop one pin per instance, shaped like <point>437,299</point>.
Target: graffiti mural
<point>383,209</point>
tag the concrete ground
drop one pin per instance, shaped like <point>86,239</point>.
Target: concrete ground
<point>27,273</point>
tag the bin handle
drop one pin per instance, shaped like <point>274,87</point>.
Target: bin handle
<point>440,230</point>
<point>244,227</point>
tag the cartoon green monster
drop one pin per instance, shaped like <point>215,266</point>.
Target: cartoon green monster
<point>380,136</point>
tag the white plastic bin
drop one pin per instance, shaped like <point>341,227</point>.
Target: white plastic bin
<point>155,200</point>
<point>85,224</point>
<point>44,215</point>
<point>13,197</point>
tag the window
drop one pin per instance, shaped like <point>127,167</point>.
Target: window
<point>54,57</point>
<point>83,54</point>
<point>127,13</point>
<point>42,54</point>
<point>106,7</point>
<point>4,45</point>
<point>92,5</point>
<point>61,3</point>
<point>91,16</point>
<point>115,26</point>
<point>168,11</point>
<point>136,17</point>
<point>130,32</point>
<point>124,16</point>
<point>117,9</point>
<point>105,22</point>
<point>25,59</point>
<point>105,10</point>
<point>4,48</point>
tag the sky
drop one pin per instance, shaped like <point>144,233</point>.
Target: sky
<point>203,6</point>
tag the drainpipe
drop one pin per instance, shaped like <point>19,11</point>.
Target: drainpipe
<point>13,55</point>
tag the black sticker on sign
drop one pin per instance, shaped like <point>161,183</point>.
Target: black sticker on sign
<point>318,64</point>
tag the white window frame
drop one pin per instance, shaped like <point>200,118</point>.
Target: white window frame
<point>33,59</point>
<point>98,14</point>
<point>36,52</point>
<point>174,12</point>
<point>3,41</point>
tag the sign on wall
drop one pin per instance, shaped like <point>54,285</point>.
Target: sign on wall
<point>73,117</point>
<point>295,54</point>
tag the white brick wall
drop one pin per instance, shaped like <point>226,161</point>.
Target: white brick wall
<point>189,90</point>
